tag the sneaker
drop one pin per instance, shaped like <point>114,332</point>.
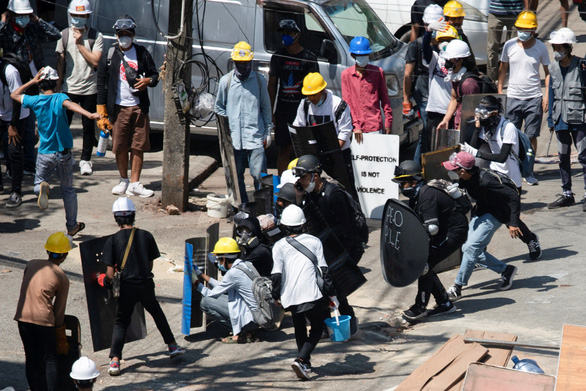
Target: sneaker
<point>121,187</point>
<point>416,312</point>
<point>353,326</point>
<point>114,369</point>
<point>534,248</point>
<point>301,370</point>
<point>454,293</point>
<point>14,201</point>
<point>531,180</point>
<point>85,167</point>
<point>137,189</point>
<point>176,350</point>
<point>508,276</point>
<point>561,202</point>
<point>445,308</point>
<point>43,199</point>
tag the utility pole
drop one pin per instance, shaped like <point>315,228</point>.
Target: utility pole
<point>176,135</point>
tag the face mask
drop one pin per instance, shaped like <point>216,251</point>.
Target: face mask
<point>449,65</point>
<point>125,41</point>
<point>77,22</point>
<point>22,21</point>
<point>222,268</point>
<point>490,124</point>
<point>442,46</point>
<point>322,100</point>
<point>242,69</point>
<point>524,35</point>
<point>453,176</point>
<point>411,192</point>
<point>287,39</point>
<point>311,185</point>
<point>558,56</point>
<point>362,61</point>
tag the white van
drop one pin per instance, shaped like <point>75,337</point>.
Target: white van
<point>327,29</point>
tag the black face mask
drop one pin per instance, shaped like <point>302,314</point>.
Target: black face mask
<point>491,123</point>
<point>242,69</point>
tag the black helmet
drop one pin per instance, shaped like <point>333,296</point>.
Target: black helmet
<point>305,164</point>
<point>407,170</point>
<point>288,193</point>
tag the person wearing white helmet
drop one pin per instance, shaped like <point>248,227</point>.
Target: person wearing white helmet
<point>78,53</point>
<point>84,373</point>
<point>567,111</point>
<point>418,12</point>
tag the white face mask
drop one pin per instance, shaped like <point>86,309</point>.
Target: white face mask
<point>311,185</point>
<point>362,61</point>
<point>524,35</point>
<point>125,41</point>
<point>22,20</point>
<point>558,56</point>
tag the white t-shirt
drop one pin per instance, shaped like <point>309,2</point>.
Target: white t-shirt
<point>510,167</point>
<point>13,80</point>
<point>440,91</point>
<point>298,279</point>
<point>124,96</point>
<point>524,78</point>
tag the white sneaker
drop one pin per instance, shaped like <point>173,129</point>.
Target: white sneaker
<point>85,167</point>
<point>121,187</point>
<point>137,189</point>
<point>531,180</point>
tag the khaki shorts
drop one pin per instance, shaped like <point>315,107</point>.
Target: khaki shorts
<point>131,130</point>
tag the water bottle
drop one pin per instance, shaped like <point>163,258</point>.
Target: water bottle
<point>102,144</point>
<point>526,365</point>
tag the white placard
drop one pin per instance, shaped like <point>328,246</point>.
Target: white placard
<point>374,164</point>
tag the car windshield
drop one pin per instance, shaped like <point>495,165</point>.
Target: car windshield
<point>356,18</point>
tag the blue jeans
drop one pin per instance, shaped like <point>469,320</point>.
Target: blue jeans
<point>62,164</point>
<point>480,232</point>
<point>257,162</point>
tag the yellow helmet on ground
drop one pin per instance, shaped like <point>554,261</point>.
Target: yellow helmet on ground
<point>58,243</point>
<point>313,83</point>
<point>242,52</point>
<point>449,32</point>
<point>454,9</point>
<point>292,164</point>
<point>526,20</point>
<point>226,245</point>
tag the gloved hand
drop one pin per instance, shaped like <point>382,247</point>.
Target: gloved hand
<point>103,123</point>
<point>101,277</point>
<point>468,148</point>
<point>197,270</point>
<point>408,111</point>
<point>267,141</point>
<point>334,303</point>
<point>61,337</point>
<point>437,25</point>
<point>454,191</point>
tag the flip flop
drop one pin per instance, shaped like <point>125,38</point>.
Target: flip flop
<point>228,340</point>
<point>79,227</point>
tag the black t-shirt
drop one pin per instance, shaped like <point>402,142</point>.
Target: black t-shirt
<point>417,10</point>
<point>291,69</point>
<point>142,251</point>
<point>262,259</point>
<point>421,74</point>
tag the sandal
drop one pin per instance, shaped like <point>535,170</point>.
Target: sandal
<point>229,340</point>
<point>79,227</point>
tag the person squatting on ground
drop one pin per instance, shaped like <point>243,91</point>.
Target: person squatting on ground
<point>55,143</point>
<point>295,285</point>
<point>125,72</point>
<point>40,314</point>
<point>567,112</point>
<point>131,251</point>
<point>444,217</point>
<point>84,373</point>
<point>244,99</point>
<point>230,301</point>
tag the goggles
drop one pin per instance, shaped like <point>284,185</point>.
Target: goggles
<point>124,24</point>
<point>300,171</point>
<point>484,113</point>
<point>288,25</point>
<point>401,174</point>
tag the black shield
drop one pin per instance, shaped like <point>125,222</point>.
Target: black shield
<point>228,162</point>
<point>404,244</point>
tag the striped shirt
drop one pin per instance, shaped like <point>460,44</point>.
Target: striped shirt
<point>506,7</point>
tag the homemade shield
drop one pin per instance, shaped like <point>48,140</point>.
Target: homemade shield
<point>227,152</point>
<point>404,244</point>
<point>101,305</point>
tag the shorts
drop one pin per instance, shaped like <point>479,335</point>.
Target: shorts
<point>282,136</point>
<point>529,110</point>
<point>130,130</point>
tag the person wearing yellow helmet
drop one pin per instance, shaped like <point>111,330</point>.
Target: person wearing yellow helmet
<point>40,313</point>
<point>525,101</point>
<point>244,99</point>
<point>454,14</point>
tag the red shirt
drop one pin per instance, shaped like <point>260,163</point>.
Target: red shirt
<point>365,94</point>
<point>469,87</point>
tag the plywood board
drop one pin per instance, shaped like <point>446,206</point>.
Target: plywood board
<point>482,377</point>
<point>499,356</point>
<point>572,364</point>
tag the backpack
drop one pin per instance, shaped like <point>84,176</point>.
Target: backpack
<point>502,178</point>
<point>526,157</point>
<point>268,314</point>
<point>23,69</point>
<point>91,38</point>
<point>485,83</point>
<point>359,226</point>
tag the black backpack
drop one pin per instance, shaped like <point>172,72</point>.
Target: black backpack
<point>502,178</point>
<point>360,228</point>
<point>23,69</point>
<point>91,37</point>
<point>485,83</point>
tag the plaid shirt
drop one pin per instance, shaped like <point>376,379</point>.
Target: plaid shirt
<point>28,45</point>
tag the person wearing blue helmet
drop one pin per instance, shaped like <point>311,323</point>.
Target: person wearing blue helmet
<point>364,89</point>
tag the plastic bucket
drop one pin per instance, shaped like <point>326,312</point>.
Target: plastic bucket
<point>217,205</point>
<point>339,333</point>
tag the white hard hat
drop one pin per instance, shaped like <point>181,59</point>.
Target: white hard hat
<point>456,49</point>
<point>433,13</point>
<point>287,177</point>
<point>48,73</point>
<point>293,216</point>
<point>123,206</point>
<point>562,36</point>
<point>80,7</point>
<point>84,369</point>
<point>20,7</point>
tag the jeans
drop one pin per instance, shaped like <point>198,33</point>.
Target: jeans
<point>218,308</point>
<point>87,102</point>
<point>15,154</point>
<point>307,343</point>
<point>40,349</point>
<point>480,232</point>
<point>130,294</point>
<point>565,138</point>
<point>62,163</point>
<point>257,162</point>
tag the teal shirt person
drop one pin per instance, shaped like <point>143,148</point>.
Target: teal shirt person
<point>53,125</point>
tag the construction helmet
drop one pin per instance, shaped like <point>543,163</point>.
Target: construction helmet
<point>226,245</point>
<point>313,83</point>
<point>407,170</point>
<point>562,36</point>
<point>360,46</point>
<point>242,52</point>
<point>526,20</point>
<point>293,216</point>
<point>123,206</point>
<point>287,192</point>
<point>449,33</point>
<point>456,49</point>
<point>454,9</point>
<point>80,7</point>
<point>307,164</point>
<point>432,13</point>
<point>58,243</point>
<point>287,177</point>
<point>292,163</point>
<point>84,369</point>
<point>20,7</point>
